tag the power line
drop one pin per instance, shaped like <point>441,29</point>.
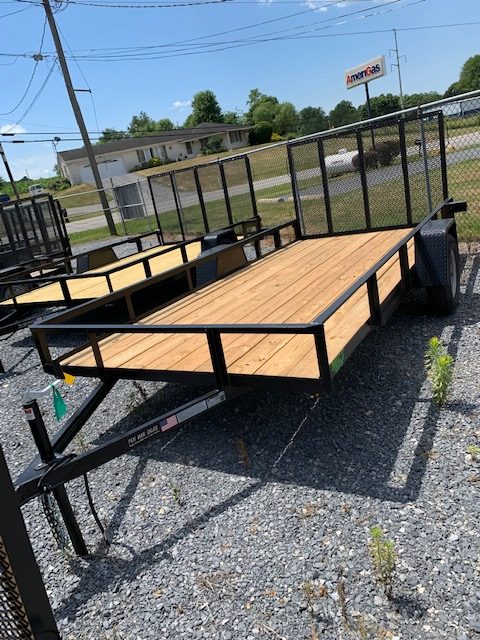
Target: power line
<point>12,13</point>
<point>6,113</point>
<point>233,44</point>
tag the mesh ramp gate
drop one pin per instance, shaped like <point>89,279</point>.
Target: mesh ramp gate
<point>25,612</point>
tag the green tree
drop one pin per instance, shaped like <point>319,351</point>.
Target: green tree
<point>380,105</point>
<point>142,125</point>
<point>164,124</point>
<point>343,113</point>
<point>469,79</point>
<point>255,99</point>
<point>109,135</point>
<point>286,119</point>
<point>205,108</point>
<point>414,99</point>
<point>265,111</point>
<point>312,119</point>
<point>232,117</point>
<point>453,90</point>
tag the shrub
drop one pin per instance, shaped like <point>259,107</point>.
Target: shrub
<point>387,150</point>
<point>291,136</point>
<point>214,145</point>
<point>58,184</point>
<point>276,137</point>
<point>261,133</point>
<point>370,158</point>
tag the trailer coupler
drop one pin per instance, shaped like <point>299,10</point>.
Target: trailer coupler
<point>50,470</point>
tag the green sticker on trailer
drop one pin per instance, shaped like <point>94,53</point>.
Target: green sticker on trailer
<point>338,363</point>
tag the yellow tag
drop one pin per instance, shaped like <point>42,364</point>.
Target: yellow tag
<point>68,378</point>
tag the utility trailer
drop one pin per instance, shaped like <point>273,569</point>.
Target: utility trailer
<point>100,271</point>
<point>32,236</point>
<point>290,318</point>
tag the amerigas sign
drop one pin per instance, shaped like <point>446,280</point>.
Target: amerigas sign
<point>365,72</point>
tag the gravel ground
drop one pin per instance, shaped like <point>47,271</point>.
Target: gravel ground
<point>243,524</point>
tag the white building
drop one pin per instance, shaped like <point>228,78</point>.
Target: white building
<point>120,156</point>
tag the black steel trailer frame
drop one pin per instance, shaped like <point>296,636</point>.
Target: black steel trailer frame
<point>17,309</point>
<point>29,242</point>
<point>52,469</point>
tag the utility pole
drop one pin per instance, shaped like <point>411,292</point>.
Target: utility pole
<point>9,173</point>
<point>79,117</point>
<point>397,64</point>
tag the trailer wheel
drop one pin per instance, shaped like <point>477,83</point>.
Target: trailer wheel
<point>444,299</point>
<point>18,289</point>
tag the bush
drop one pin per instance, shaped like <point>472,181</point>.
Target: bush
<point>261,133</point>
<point>387,150</point>
<point>153,162</point>
<point>370,158</point>
<point>214,145</point>
<point>59,184</point>
<point>276,137</point>
<point>291,136</point>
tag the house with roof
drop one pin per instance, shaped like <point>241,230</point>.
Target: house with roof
<point>118,157</point>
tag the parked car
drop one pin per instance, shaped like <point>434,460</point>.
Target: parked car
<point>36,190</point>
<point>4,198</point>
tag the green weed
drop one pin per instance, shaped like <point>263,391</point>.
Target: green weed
<point>439,368</point>
<point>473,451</point>
<point>383,556</point>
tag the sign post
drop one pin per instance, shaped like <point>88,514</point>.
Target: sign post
<point>363,74</point>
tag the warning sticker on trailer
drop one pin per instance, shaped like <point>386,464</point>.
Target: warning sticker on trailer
<point>30,415</point>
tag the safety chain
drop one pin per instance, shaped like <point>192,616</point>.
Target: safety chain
<point>14,621</point>
<point>55,521</point>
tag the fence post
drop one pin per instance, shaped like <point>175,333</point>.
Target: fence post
<point>25,612</point>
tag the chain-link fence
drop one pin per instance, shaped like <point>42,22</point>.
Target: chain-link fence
<point>190,201</point>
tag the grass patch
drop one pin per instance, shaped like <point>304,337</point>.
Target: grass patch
<point>81,195</point>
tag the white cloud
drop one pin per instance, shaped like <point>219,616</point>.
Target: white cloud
<point>36,166</point>
<point>12,128</point>
<point>182,104</point>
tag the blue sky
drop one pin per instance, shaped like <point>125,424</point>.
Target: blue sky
<point>306,70</point>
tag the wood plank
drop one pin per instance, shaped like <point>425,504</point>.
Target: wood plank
<point>251,311</point>
<point>89,288</point>
<point>265,355</point>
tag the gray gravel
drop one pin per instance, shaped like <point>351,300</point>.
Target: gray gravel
<point>220,531</point>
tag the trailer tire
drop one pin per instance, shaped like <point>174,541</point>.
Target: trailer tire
<point>444,299</point>
<point>18,289</point>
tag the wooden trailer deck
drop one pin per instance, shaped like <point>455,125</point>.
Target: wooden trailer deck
<point>82,287</point>
<point>293,285</point>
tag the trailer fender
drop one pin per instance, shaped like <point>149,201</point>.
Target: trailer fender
<point>438,264</point>
<point>432,252</point>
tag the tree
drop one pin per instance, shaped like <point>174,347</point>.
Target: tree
<point>164,124</point>
<point>343,113</point>
<point>469,79</point>
<point>109,135</point>
<point>286,119</point>
<point>265,111</point>
<point>380,105</point>
<point>232,117</point>
<point>312,119</point>
<point>142,125</point>
<point>453,90</point>
<point>414,99</point>
<point>205,108</point>
<point>255,99</point>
